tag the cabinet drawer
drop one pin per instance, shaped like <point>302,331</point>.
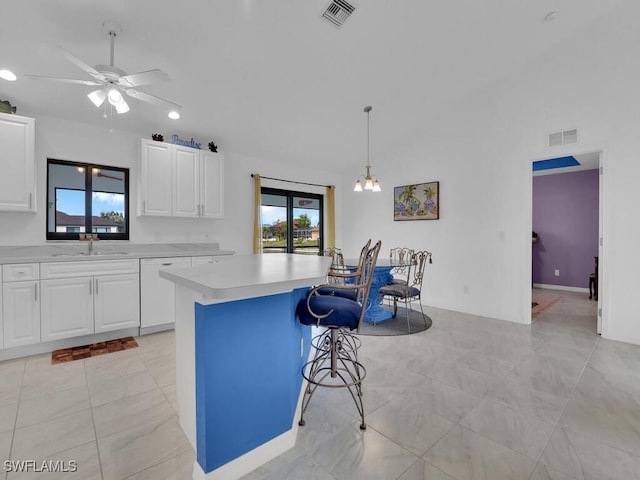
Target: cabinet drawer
<point>20,271</point>
<point>88,268</point>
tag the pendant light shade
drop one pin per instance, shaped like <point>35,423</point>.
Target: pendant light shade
<point>370,183</point>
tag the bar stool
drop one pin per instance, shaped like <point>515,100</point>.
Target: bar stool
<point>338,277</point>
<point>335,363</point>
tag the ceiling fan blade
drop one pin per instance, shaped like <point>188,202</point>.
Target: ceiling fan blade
<point>147,97</point>
<point>79,63</point>
<point>63,80</point>
<point>143,78</point>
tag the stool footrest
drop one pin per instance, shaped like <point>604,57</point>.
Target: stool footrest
<point>335,365</point>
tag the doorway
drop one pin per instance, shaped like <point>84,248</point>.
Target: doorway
<point>566,230</point>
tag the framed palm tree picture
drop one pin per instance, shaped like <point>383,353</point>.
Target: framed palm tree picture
<point>417,202</point>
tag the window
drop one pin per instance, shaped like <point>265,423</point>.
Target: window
<point>87,198</point>
<point>291,221</point>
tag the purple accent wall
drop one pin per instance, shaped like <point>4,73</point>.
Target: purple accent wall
<point>565,217</point>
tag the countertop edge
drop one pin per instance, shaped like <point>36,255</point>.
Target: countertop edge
<point>110,256</point>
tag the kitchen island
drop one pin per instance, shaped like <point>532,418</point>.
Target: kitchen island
<point>239,351</point>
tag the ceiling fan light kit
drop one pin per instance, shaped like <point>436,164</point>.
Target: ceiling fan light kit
<point>113,83</point>
<point>97,97</point>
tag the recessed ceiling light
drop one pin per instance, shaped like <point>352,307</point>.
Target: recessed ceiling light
<point>173,115</point>
<point>8,75</point>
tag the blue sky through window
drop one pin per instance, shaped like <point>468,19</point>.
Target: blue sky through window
<point>271,215</point>
<point>71,202</point>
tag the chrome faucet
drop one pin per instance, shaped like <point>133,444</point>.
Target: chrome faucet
<point>90,237</point>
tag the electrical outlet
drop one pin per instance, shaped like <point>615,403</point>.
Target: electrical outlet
<point>556,272</point>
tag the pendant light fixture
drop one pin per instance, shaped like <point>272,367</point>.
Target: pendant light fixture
<point>370,183</point>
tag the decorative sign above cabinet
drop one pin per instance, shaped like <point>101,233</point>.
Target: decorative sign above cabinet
<point>185,143</point>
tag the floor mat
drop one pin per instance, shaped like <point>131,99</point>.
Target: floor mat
<point>398,324</point>
<point>85,351</point>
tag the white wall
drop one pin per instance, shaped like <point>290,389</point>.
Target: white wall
<point>65,140</point>
<point>481,151</point>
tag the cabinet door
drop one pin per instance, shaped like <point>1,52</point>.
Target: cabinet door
<point>66,308</point>
<point>157,295</point>
<point>17,182</point>
<point>116,302</point>
<point>155,178</point>
<point>185,182</point>
<point>21,313</point>
<point>212,185</point>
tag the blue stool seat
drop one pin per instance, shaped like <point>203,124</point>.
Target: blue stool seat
<point>338,292</point>
<point>345,313</point>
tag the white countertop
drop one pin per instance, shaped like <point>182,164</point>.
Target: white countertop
<point>104,250</point>
<point>246,276</point>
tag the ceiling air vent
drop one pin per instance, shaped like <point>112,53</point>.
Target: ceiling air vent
<point>563,138</point>
<point>337,12</point>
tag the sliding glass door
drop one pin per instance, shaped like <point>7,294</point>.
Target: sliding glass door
<point>292,222</point>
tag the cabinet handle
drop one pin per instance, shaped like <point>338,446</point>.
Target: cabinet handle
<point>90,287</point>
<point>35,289</point>
<point>97,283</point>
<point>167,264</point>
<point>30,201</point>
<point>144,206</point>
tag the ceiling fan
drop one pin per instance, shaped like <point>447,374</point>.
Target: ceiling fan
<point>112,82</point>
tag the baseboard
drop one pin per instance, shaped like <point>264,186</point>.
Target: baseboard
<point>157,328</point>
<point>561,287</point>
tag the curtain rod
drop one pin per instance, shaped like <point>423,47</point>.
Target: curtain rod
<point>292,181</point>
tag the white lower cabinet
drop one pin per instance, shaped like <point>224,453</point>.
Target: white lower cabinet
<point>20,302</point>
<point>67,308</point>
<point>81,298</point>
<point>116,302</point>
<point>157,295</point>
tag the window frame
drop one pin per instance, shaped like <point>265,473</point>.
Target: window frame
<point>289,195</point>
<point>88,184</point>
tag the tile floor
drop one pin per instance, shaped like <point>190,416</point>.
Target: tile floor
<point>472,398</point>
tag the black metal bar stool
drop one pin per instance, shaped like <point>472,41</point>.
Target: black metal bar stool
<point>335,363</point>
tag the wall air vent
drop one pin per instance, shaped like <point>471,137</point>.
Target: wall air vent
<point>563,138</point>
<point>337,12</point>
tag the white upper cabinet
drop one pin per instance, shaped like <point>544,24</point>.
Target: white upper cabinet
<point>186,198</point>
<point>17,164</point>
<point>180,181</point>
<point>211,185</point>
<point>156,168</point>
